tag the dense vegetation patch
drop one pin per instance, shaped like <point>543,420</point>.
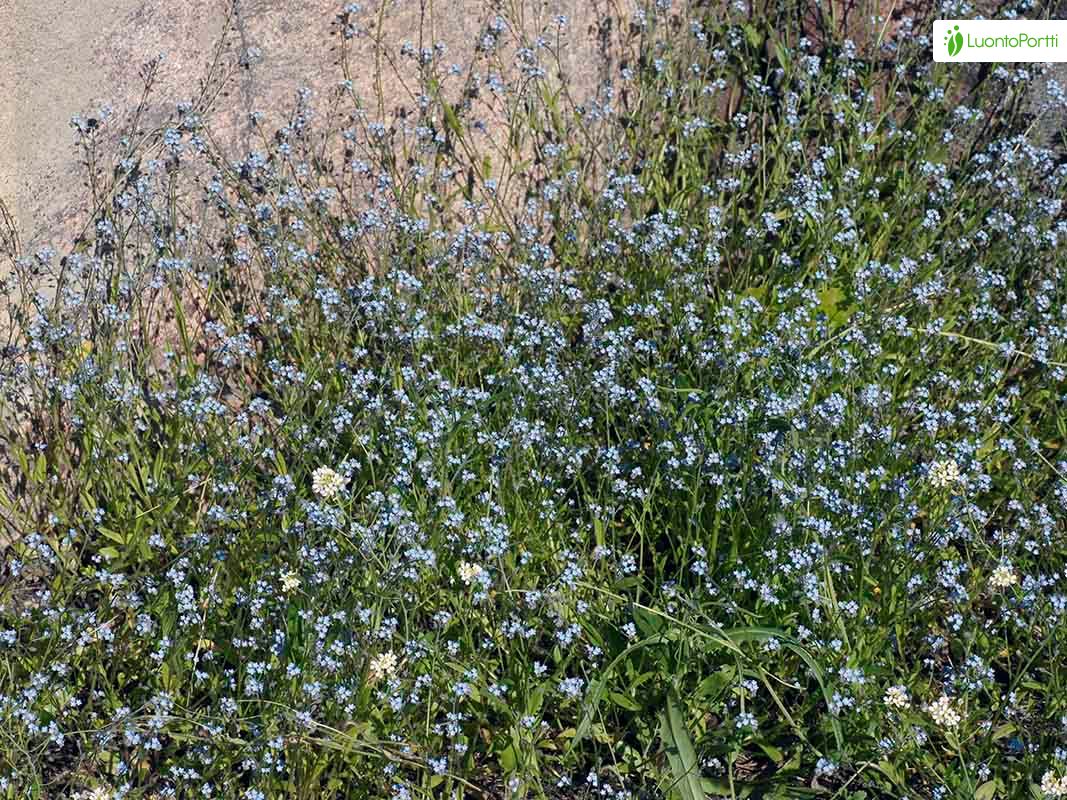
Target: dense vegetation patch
<point>700,438</point>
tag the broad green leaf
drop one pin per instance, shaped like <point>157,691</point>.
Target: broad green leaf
<point>648,623</point>
<point>715,684</point>
<point>508,759</point>
<point>1007,729</point>
<point>621,700</point>
<point>114,536</point>
<point>685,768</point>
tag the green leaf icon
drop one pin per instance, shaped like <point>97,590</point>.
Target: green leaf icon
<point>954,41</point>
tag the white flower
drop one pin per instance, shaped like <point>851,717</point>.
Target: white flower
<point>1053,786</point>
<point>942,712</point>
<point>290,582</point>
<point>944,473</point>
<point>897,697</point>
<point>382,666</point>
<point>1003,577</point>
<point>468,573</point>
<point>326,483</point>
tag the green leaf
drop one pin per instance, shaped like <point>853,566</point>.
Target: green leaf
<point>621,700</point>
<point>830,303</point>
<point>987,791</point>
<point>535,700</point>
<point>157,467</point>
<point>752,34</point>
<point>782,55</point>
<point>715,786</point>
<point>773,753</point>
<point>1007,729</point>
<point>114,536</point>
<point>451,119</point>
<point>598,690</point>
<point>647,623</point>
<point>508,759</point>
<point>805,656</point>
<point>758,292</point>
<point>685,769</point>
<point>890,771</point>
<point>598,531</point>
<point>713,686</point>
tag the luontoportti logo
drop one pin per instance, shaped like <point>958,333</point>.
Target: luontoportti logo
<point>954,41</point>
<point>1001,40</point>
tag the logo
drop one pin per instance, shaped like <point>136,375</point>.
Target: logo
<point>954,41</point>
<point>1007,41</point>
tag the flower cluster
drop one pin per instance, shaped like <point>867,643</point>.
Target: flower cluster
<point>1003,577</point>
<point>1053,785</point>
<point>943,712</point>
<point>897,697</point>
<point>326,483</point>
<point>944,473</point>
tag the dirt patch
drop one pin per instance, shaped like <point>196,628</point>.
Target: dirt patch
<point>58,59</point>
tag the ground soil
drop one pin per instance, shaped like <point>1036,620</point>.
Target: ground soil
<point>59,58</point>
